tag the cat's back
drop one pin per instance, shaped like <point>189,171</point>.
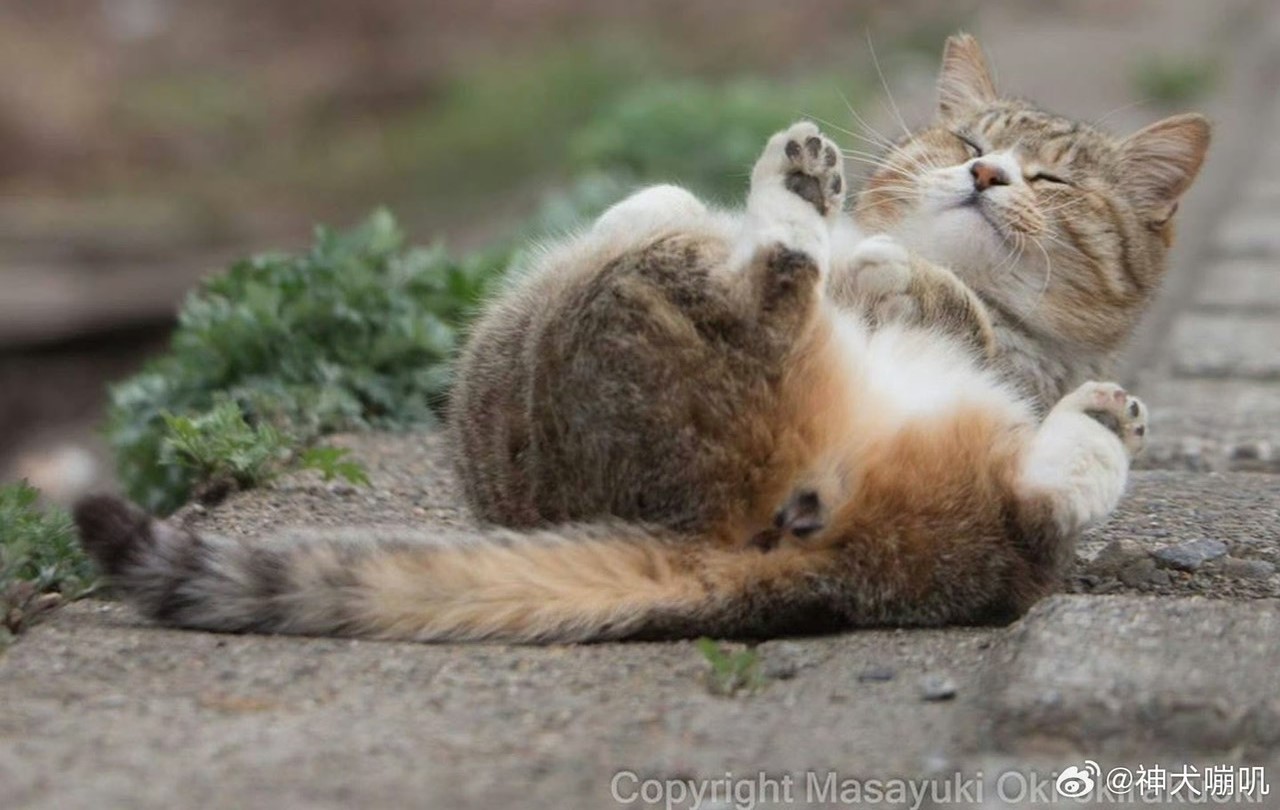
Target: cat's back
<point>575,381</point>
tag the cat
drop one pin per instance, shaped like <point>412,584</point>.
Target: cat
<point>743,424</point>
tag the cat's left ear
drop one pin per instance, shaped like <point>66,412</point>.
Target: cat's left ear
<point>1158,163</point>
<point>964,83</point>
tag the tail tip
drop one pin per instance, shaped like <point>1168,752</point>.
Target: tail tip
<point>111,529</point>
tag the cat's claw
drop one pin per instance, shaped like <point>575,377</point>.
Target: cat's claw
<point>809,165</point>
<point>1111,405</point>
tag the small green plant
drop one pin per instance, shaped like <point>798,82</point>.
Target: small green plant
<point>355,334</point>
<point>40,562</point>
<point>1173,81</point>
<point>731,673</point>
<point>222,450</point>
<point>226,453</point>
<point>332,462</point>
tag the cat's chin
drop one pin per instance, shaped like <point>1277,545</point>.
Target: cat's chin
<point>959,237</point>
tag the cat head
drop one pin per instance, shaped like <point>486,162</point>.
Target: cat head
<point>1063,226</point>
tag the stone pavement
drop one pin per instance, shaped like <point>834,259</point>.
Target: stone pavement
<point>1163,652</point>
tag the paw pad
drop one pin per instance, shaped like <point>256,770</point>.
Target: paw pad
<point>810,166</point>
<point>1111,406</point>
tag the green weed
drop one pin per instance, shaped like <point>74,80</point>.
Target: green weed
<point>331,463</point>
<point>355,334</point>
<point>1174,81</point>
<point>41,563</point>
<point>222,450</point>
<point>731,673</point>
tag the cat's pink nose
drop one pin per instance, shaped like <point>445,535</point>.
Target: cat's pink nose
<point>986,175</point>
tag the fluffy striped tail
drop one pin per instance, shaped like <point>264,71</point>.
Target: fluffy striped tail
<point>573,583</point>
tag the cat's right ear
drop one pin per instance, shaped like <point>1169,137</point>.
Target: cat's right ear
<point>964,84</point>
<point>1159,163</point>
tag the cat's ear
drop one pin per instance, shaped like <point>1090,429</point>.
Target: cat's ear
<point>965,81</point>
<point>1158,163</point>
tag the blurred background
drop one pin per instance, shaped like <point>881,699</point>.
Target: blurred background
<point>146,143</point>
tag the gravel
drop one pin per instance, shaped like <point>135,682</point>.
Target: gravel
<point>937,687</point>
<point>1190,556</point>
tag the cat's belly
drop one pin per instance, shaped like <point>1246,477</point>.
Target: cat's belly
<point>911,373</point>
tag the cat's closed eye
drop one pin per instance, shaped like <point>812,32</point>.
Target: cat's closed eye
<point>974,149</point>
<point>1048,177</point>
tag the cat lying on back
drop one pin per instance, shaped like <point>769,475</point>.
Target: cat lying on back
<point>744,424</point>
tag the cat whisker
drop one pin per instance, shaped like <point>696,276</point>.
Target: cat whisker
<point>900,188</point>
<point>866,160</point>
<point>1061,198</point>
<point>1013,254</point>
<point>887,147</point>
<point>888,94</point>
<point>1056,241</point>
<point>906,173</point>
<point>877,138</point>
<point>880,141</point>
<point>1009,243</point>
<point>901,192</point>
<point>1063,206</point>
<point>1048,271</point>
<point>861,207</point>
<point>1098,122</point>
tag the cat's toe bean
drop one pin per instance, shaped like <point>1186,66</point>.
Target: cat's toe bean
<point>809,165</point>
<point>1112,407</point>
<point>1135,433</point>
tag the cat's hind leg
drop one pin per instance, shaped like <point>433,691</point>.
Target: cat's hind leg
<point>783,250</point>
<point>649,211</point>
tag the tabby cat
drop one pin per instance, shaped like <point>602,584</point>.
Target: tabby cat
<point>685,422</point>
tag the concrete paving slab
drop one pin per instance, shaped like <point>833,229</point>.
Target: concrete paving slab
<point>101,711</point>
<point>1217,425</point>
<point>1245,346</point>
<point>1242,284</point>
<point>1125,676</point>
<point>1250,231</point>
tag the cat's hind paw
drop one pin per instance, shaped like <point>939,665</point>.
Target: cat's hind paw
<point>808,164</point>
<point>1114,409</point>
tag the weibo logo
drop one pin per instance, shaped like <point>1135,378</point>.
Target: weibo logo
<point>1075,782</point>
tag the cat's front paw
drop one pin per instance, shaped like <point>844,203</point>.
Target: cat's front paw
<point>807,164</point>
<point>879,270</point>
<point>1111,406</point>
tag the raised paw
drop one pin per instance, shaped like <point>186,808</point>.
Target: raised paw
<point>879,272</point>
<point>807,164</point>
<point>1112,407</point>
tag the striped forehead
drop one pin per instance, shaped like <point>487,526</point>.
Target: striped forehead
<point>1049,137</point>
